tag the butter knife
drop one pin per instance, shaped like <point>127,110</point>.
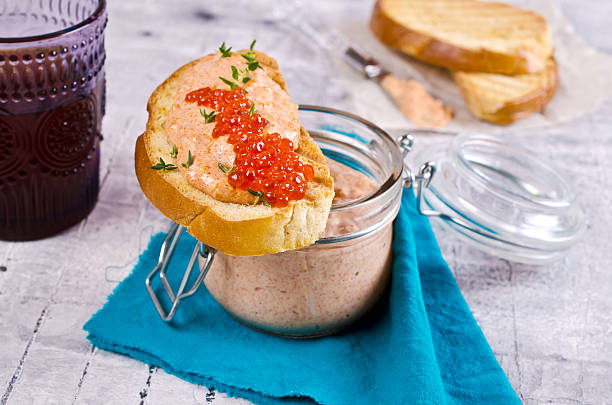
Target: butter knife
<point>410,96</point>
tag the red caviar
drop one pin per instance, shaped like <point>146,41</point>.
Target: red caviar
<point>265,162</point>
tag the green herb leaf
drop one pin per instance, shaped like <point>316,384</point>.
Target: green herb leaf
<point>225,52</point>
<point>260,197</point>
<point>163,166</point>
<point>174,152</point>
<point>230,83</point>
<point>250,58</point>
<point>252,44</point>
<point>234,72</point>
<point>246,80</point>
<point>189,161</point>
<point>252,110</point>
<point>225,169</point>
<point>252,62</point>
<point>210,117</point>
<point>258,194</point>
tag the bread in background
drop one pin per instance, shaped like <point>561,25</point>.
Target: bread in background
<point>465,35</point>
<point>503,99</point>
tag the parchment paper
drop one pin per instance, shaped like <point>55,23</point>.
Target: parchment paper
<point>585,78</point>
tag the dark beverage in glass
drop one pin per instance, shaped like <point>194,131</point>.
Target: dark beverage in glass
<point>52,91</point>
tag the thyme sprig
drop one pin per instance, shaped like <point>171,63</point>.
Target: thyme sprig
<point>225,52</point>
<point>230,83</point>
<point>189,161</point>
<point>163,166</point>
<point>260,197</point>
<point>225,169</point>
<point>241,76</point>
<point>252,63</point>
<point>210,117</point>
<point>174,152</point>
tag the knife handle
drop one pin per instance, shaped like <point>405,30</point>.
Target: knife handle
<point>367,65</point>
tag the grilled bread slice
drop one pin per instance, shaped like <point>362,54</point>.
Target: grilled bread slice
<point>465,35</point>
<point>504,99</point>
<point>235,229</point>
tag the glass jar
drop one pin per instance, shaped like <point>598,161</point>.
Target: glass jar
<point>501,198</point>
<point>51,107</point>
<point>322,288</point>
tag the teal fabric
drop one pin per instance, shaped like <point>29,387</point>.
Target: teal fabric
<point>421,346</point>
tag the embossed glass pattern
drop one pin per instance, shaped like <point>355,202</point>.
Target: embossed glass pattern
<point>51,106</point>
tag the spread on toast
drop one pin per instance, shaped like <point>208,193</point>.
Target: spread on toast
<point>224,155</point>
<point>236,136</point>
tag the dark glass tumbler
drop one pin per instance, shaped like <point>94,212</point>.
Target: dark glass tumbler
<point>52,93</point>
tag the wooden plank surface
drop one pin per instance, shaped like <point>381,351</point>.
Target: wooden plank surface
<point>549,326</point>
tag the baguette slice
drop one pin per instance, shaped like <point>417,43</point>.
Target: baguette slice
<point>504,99</point>
<point>235,229</point>
<point>465,35</point>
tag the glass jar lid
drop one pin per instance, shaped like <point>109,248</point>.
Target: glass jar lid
<point>501,198</point>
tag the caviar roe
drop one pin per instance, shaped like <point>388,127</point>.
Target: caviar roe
<point>265,162</point>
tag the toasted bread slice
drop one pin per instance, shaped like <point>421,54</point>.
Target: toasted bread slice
<point>235,229</point>
<point>465,35</point>
<point>504,99</point>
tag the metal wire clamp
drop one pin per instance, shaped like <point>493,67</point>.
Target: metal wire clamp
<point>165,255</point>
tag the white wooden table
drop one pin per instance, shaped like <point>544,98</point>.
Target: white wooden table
<point>549,326</point>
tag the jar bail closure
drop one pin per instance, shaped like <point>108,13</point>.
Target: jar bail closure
<point>422,179</point>
<point>503,199</point>
<point>168,247</point>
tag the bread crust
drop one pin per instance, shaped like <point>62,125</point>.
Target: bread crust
<point>511,110</point>
<point>429,49</point>
<point>234,229</point>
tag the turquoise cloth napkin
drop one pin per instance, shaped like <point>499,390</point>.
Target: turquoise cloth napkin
<point>422,346</point>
